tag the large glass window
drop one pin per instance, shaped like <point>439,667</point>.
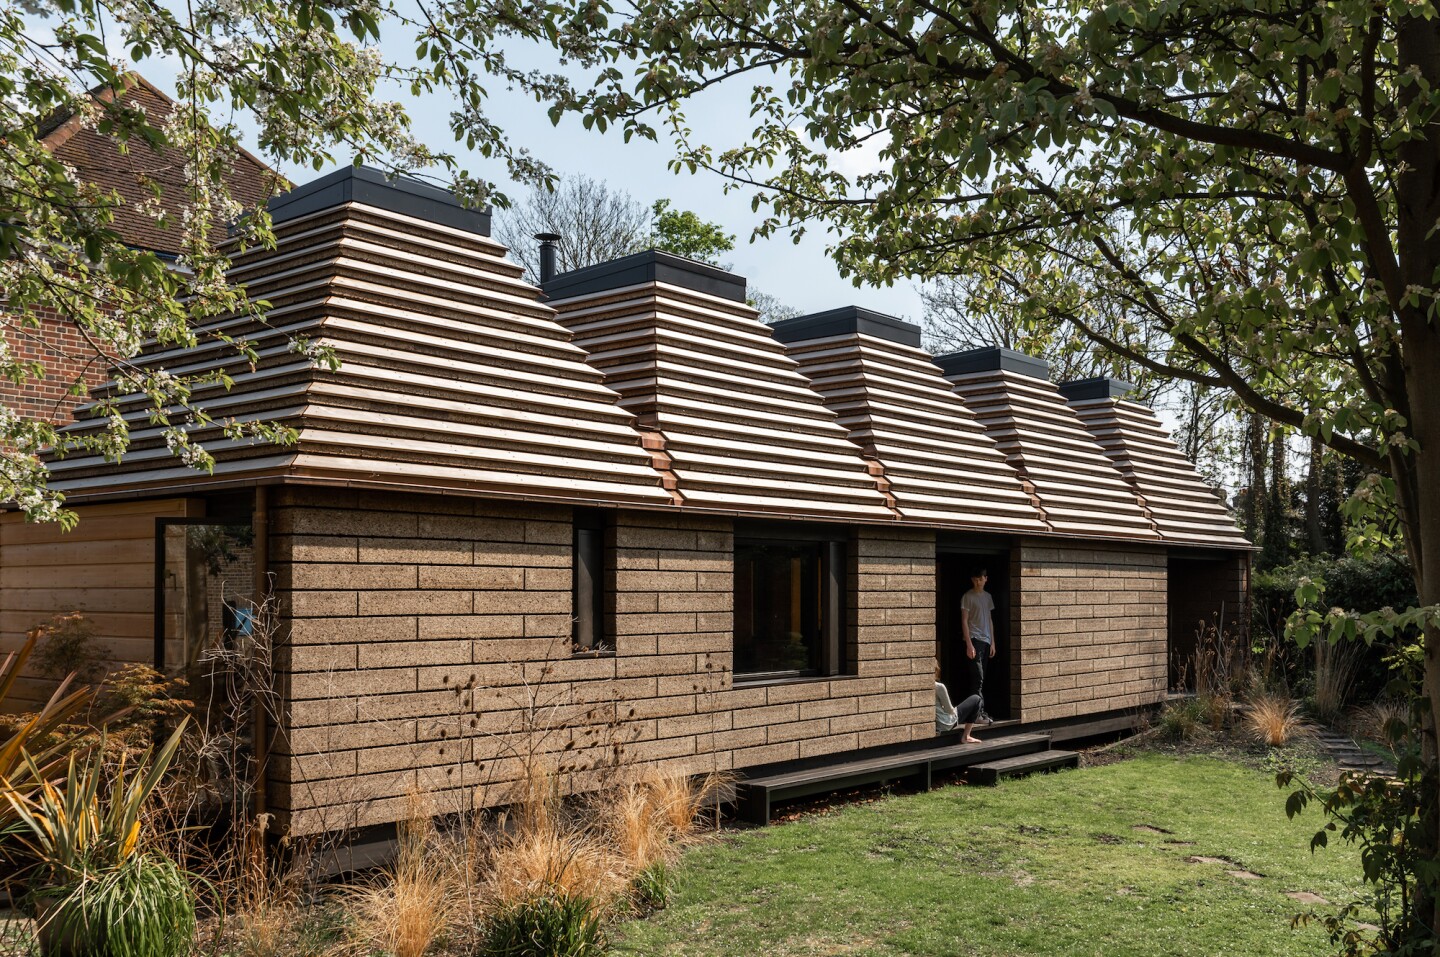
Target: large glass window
<point>788,607</point>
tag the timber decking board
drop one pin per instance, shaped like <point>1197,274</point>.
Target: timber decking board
<point>756,794</point>
<point>991,772</point>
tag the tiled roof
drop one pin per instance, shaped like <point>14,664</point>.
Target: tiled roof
<point>98,158</point>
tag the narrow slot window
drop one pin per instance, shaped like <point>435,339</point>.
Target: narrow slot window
<point>589,633</point>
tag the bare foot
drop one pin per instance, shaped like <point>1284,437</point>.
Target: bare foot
<point>972,740</point>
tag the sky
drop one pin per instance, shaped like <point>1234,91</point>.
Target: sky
<point>799,275</point>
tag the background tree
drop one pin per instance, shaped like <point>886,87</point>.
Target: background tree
<point>1255,185</point>
<point>771,309</point>
<point>309,75</point>
<point>597,223</point>
<point>684,233</point>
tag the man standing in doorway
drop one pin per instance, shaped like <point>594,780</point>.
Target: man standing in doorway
<point>976,608</point>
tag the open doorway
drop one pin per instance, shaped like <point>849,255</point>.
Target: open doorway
<point>954,569</point>
<point>1207,601</point>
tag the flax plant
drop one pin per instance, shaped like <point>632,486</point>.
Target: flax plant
<point>96,887</point>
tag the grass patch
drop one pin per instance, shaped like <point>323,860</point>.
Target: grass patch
<point>1151,856</point>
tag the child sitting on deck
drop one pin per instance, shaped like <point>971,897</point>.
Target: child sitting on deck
<point>947,716</point>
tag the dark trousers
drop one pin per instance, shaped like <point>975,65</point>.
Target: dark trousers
<point>978,666</point>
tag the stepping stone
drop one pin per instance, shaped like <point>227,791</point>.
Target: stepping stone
<point>1247,875</point>
<point>1305,897</point>
<point>1151,829</point>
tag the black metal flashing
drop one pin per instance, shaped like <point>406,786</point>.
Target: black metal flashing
<point>847,320</point>
<point>1099,387</point>
<point>370,186</point>
<point>652,265</point>
<point>993,359</point>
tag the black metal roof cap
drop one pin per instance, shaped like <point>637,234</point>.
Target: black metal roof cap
<point>652,265</point>
<point>398,194</point>
<point>993,359</point>
<point>845,321</point>
<point>1099,387</point>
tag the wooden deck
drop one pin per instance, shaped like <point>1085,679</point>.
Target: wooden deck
<point>757,793</point>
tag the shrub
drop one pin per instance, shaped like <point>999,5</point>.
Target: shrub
<point>547,925</point>
<point>36,746</point>
<point>1335,673</point>
<point>67,647</point>
<point>1386,721</point>
<point>95,888</point>
<point>143,907</point>
<point>1184,720</point>
<point>1274,720</point>
<point>650,890</point>
<point>408,908</point>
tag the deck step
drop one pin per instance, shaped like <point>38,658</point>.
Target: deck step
<point>756,793</point>
<point>991,772</point>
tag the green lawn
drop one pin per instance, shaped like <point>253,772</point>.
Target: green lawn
<point>1062,864</point>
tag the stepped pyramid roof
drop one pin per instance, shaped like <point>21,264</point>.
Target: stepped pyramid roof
<point>453,374</point>
<point>1080,492</point>
<point>739,424</point>
<point>939,463</point>
<point>1179,502</point>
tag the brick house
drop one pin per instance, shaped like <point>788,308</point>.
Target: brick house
<point>691,538</point>
<point>72,362</point>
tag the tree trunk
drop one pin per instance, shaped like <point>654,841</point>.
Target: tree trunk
<point>1417,475</point>
<point>1255,501</point>
<point>1312,497</point>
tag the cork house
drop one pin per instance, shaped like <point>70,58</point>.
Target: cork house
<point>620,499</point>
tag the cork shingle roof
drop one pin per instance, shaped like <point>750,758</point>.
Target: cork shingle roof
<point>1183,507</point>
<point>740,427</point>
<point>453,375</point>
<point>647,381</point>
<point>1078,488</point>
<point>939,463</point>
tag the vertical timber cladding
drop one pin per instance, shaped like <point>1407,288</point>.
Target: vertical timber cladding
<point>1090,623</point>
<point>104,569</point>
<point>428,632</point>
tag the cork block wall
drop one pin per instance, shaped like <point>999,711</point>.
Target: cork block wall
<point>428,651</point>
<point>1090,622</point>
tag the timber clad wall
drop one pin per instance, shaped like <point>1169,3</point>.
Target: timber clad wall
<point>104,569</point>
<point>1090,626</point>
<point>414,615</point>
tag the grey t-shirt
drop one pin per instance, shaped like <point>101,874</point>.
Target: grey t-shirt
<point>976,607</point>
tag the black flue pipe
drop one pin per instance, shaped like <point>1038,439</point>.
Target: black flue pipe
<point>547,255</point>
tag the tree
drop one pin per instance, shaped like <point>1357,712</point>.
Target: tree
<point>597,223</point>
<point>309,75</point>
<point>1253,186</point>
<point>771,309</point>
<point>971,311</point>
<point>684,233</point>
